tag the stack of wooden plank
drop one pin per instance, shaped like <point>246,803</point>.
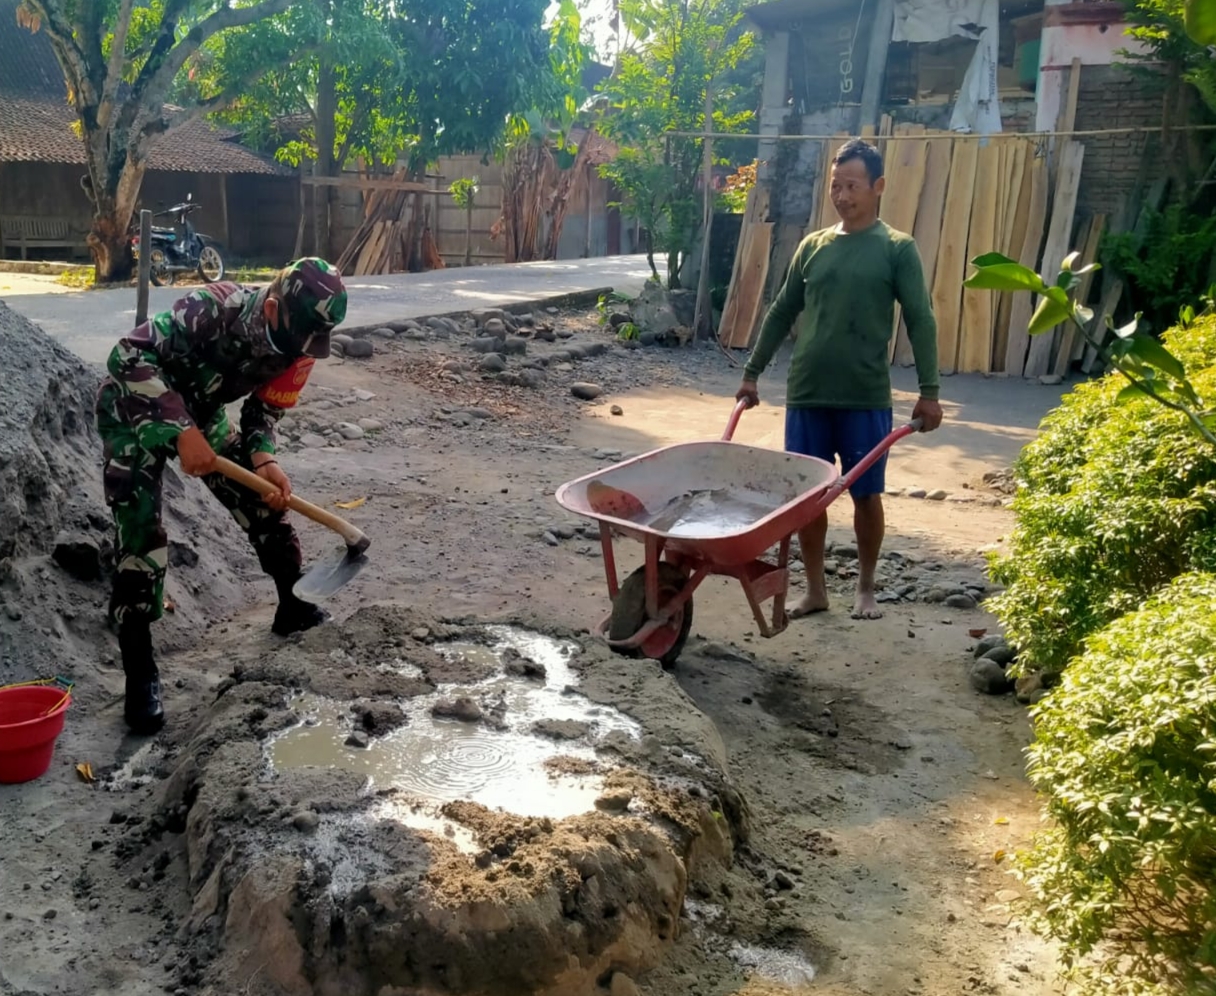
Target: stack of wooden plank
<point>384,241</point>
<point>960,197</point>
<point>745,297</point>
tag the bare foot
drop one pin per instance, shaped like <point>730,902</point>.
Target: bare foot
<point>865,607</point>
<point>815,600</point>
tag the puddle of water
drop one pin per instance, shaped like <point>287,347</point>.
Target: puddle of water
<point>140,769</point>
<point>783,967</point>
<point>715,512</point>
<point>434,760</point>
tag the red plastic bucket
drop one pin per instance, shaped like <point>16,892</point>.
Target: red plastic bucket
<point>31,717</point>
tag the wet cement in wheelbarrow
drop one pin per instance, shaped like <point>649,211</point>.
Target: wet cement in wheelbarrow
<point>492,742</point>
<point>707,513</point>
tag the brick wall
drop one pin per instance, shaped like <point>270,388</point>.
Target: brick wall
<point>1114,97</point>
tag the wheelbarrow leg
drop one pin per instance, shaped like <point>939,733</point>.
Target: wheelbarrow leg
<point>762,581</point>
<point>609,559</point>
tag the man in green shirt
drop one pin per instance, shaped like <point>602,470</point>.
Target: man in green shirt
<point>845,281</point>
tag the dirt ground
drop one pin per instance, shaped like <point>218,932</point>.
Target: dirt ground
<point>882,789</point>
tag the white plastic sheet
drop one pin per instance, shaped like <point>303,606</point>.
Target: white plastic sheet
<point>918,21</point>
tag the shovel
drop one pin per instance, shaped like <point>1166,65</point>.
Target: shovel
<point>325,578</point>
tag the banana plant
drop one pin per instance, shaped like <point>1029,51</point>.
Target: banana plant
<point>1148,367</point>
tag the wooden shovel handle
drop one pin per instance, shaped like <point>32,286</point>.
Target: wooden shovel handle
<point>352,534</point>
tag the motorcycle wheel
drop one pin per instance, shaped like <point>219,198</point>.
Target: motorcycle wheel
<point>159,272</point>
<point>211,265</point>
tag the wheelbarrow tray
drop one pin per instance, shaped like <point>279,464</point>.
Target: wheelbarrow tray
<point>790,486</point>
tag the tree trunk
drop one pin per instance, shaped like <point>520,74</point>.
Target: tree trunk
<point>468,232</point>
<point>327,109</point>
<point>113,207</point>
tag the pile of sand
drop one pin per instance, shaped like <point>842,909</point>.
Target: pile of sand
<point>56,532</point>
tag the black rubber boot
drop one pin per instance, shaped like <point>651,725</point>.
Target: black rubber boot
<point>143,710</point>
<point>294,615</point>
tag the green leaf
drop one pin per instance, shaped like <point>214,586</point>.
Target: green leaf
<point>1083,314</point>
<point>1007,276</point>
<point>992,259</point>
<point>1150,351</point>
<point>1200,19</point>
<point>1048,315</point>
<point>1069,261</point>
<point>1130,393</point>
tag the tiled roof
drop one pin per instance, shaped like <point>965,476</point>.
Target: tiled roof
<point>36,121</point>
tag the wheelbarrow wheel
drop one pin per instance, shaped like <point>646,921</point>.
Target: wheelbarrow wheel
<point>629,615</point>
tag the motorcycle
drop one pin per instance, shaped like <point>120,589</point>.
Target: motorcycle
<point>181,249</point>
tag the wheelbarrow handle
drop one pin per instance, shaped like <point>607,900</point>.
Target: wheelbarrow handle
<point>235,472</point>
<point>733,422</point>
<point>740,407</point>
<point>876,454</point>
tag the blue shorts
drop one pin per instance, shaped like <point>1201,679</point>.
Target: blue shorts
<point>848,433</point>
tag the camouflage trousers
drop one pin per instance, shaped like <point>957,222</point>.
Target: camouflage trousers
<point>133,490</point>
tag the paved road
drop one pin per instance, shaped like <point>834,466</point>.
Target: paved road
<point>88,322</point>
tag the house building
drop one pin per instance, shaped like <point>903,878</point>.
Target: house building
<point>249,202</point>
<point>983,66</point>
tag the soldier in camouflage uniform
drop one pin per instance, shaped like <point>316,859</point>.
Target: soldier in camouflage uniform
<point>169,382</point>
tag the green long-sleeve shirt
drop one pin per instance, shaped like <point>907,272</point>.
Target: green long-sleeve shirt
<point>845,286</point>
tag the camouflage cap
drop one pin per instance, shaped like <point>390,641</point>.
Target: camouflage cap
<point>315,297</point>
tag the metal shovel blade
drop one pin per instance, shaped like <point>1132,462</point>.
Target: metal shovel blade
<point>327,577</point>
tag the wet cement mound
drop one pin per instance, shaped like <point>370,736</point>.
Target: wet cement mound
<point>312,879</point>
<point>55,530</point>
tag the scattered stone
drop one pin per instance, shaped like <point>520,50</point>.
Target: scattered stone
<point>1051,380</point>
<point>549,538</point>
<point>79,555</point>
<point>846,551</point>
<point>348,430</point>
<point>384,333</point>
<point>486,345</point>
<point>586,392</point>
<point>50,914</point>
<point>360,349</point>
<point>370,424</point>
<point>341,340</point>
<point>990,678</point>
<point>561,729</point>
<point>546,335</point>
<point>960,602</point>
<point>312,441</point>
<point>515,346</point>
<point>617,410</point>
<point>1004,655</point>
<point>938,495</point>
<point>480,413</point>
<point>1027,685</point>
<point>782,881</point>
<point>483,315</point>
<point>532,378</point>
<point>614,801</point>
<point>917,493</point>
<point>463,709</point>
<point>453,366</point>
<point>359,740</point>
<point>306,821</point>
<point>492,363</point>
<point>421,634</point>
<point>989,642</point>
<point>494,327</point>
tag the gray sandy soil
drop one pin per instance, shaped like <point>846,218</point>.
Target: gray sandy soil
<point>878,785</point>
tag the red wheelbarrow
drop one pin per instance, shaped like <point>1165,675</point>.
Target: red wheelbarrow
<point>713,507</point>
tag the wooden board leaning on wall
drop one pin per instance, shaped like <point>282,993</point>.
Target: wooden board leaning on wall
<point>959,197</point>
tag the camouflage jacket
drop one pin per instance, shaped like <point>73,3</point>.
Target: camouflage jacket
<point>182,367</point>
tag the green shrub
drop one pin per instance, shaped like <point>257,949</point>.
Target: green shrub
<point>1125,753</point>
<point>1115,500</point>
